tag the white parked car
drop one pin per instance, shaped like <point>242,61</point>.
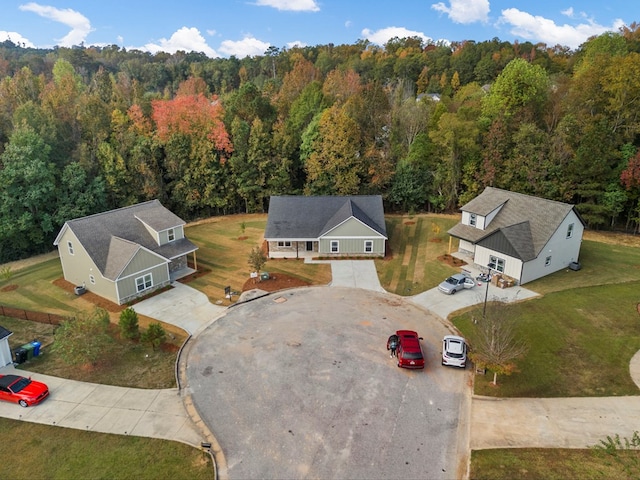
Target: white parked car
<point>454,351</point>
<point>456,282</point>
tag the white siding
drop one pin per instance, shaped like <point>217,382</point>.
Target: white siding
<point>512,265</point>
<point>561,249</point>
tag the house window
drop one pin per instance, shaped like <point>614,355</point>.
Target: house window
<point>284,244</point>
<point>472,219</point>
<point>368,246</point>
<point>547,261</point>
<point>335,246</point>
<point>570,230</point>
<point>496,264</point>
<point>171,235</point>
<point>92,280</point>
<point>143,283</point>
<point>70,247</point>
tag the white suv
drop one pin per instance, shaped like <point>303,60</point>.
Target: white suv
<point>454,351</point>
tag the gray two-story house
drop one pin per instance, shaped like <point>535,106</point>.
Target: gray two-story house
<point>125,253</point>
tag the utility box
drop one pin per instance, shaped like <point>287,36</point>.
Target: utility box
<point>264,276</point>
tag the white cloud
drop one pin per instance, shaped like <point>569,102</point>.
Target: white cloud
<point>79,24</point>
<point>464,11</point>
<point>290,5</point>
<point>382,36</point>
<point>296,43</point>
<point>537,28</point>
<point>16,38</point>
<point>348,23</point>
<point>187,39</point>
<point>568,12</point>
<point>247,47</point>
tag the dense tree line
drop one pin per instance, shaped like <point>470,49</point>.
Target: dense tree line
<point>427,126</point>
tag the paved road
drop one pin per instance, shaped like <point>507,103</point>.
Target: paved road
<point>300,385</point>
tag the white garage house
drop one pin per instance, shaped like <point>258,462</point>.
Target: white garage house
<point>326,226</point>
<point>5,350</point>
<point>519,235</point>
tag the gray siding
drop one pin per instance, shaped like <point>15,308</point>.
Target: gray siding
<point>352,228</point>
<point>79,268</point>
<point>127,285</point>
<point>352,247</point>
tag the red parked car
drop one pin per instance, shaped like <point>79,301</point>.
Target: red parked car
<point>22,390</point>
<point>409,350</point>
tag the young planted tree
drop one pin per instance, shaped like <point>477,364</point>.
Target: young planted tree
<point>496,344</point>
<point>83,340</point>
<point>257,259</point>
<point>155,335</point>
<point>128,324</point>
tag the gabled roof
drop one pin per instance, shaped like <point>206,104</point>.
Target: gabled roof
<point>521,228</point>
<point>300,217</point>
<point>4,333</point>
<point>112,238</point>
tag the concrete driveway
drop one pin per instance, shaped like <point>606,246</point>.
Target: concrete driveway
<point>107,409</point>
<point>182,306</point>
<point>299,384</point>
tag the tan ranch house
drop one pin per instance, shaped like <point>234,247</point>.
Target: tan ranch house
<point>521,236</point>
<point>125,253</point>
<point>326,226</point>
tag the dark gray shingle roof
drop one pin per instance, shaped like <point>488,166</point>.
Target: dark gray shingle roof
<point>300,217</point>
<point>522,226</point>
<point>4,333</point>
<point>112,238</point>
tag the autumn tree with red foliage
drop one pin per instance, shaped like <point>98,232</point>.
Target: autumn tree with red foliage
<point>192,115</point>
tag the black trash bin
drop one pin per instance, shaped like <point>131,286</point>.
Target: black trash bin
<point>21,355</point>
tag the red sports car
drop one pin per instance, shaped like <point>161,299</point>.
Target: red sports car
<point>409,350</point>
<point>22,390</point>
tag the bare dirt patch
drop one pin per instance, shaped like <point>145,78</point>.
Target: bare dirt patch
<point>9,288</point>
<point>451,260</point>
<point>96,300</point>
<point>278,281</point>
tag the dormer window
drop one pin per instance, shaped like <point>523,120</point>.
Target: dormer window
<point>171,235</point>
<point>472,219</point>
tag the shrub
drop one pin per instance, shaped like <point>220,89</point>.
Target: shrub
<point>155,335</point>
<point>129,324</point>
<point>83,340</point>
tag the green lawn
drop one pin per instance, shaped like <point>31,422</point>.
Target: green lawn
<point>35,451</point>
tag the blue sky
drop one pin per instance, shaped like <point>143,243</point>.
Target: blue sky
<point>248,27</point>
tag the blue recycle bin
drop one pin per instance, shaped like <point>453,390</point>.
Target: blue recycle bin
<point>36,348</point>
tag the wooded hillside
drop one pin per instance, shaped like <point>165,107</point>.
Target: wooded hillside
<point>427,126</point>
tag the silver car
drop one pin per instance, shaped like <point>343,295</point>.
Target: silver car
<point>454,351</point>
<point>456,282</point>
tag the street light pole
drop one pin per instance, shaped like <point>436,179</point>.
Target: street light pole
<point>486,295</point>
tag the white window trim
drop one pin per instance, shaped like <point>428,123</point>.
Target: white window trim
<point>337,245</point>
<point>547,261</point>
<point>284,243</point>
<point>496,263</point>
<point>70,247</point>
<point>171,235</point>
<point>144,282</point>
<point>473,219</point>
<point>92,280</point>
<point>368,246</point>
<point>570,230</point>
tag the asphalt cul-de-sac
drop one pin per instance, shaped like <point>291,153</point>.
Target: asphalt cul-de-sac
<point>299,384</point>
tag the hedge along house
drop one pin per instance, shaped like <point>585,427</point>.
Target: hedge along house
<point>519,235</point>
<point>125,253</point>
<point>326,226</point>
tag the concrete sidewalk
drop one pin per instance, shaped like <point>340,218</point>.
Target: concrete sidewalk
<point>107,409</point>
